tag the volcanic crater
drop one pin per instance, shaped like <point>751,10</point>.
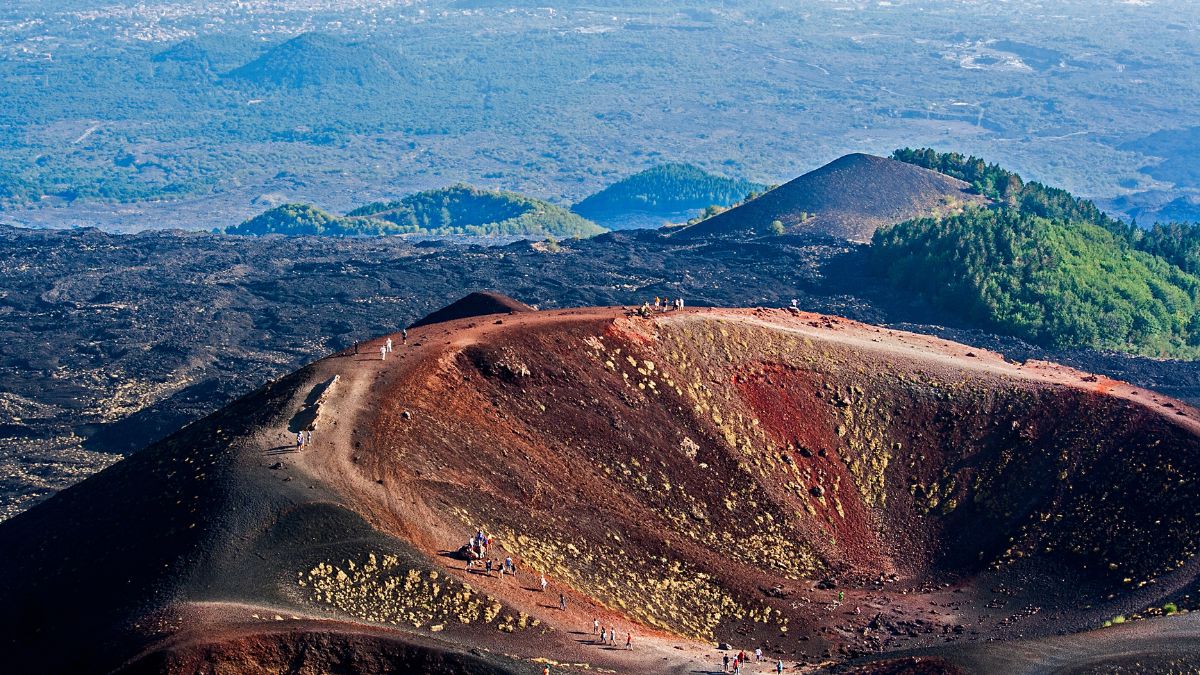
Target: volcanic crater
<point>839,495</point>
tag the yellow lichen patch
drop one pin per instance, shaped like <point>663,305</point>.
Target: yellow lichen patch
<point>657,591</point>
<point>382,590</point>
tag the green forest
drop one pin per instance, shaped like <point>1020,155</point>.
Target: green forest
<point>463,209</point>
<point>456,210</point>
<point>1048,267</point>
<point>307,220</point>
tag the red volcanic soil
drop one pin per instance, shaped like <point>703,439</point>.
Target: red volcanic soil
<point>838,495</point>
<point>474,304</point>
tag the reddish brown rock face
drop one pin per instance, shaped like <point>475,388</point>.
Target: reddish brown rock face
<point>819,489</point>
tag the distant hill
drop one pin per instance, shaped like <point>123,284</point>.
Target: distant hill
<point>305,219</point>
<point>185,60</point>
<point>187,51</point>
<point>456,210</point>
<point>474,304</point>
<point>848,198</point>
<point>319,60</point>
<point>462,209</point>
<point>664,190</point>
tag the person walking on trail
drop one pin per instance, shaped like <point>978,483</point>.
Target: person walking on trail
<point>629,641</point>
<point>562,601</point>
<point>388,344</point>
<point>779,666</point>
<point>725,666</point>
<point>595,626</point>
<point>299,441</point>
<point>487,566</point>
<point>308,437</point>
<point>543,583</point>
<point>758,653</point>
<point>404,335</point>
<point>383,353</point>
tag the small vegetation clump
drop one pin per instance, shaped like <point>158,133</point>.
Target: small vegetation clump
<point>662,592</point>
<point>384,591</point>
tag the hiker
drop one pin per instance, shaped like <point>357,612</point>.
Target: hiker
<point>356,348</point>
<point>612,635</point>
<point>383,353</point>
<point>725,667</point>
<point>388,344</point>
<point>404,335</point>
<point>562,602</point>
<point>741,657</point>
<point>629,641</point>
<point>308,437</point>
<point>795,303</point>
<point>758,654</point>
<point>487,566</point>
<point>543,583</point>
<point>595,626</point>
<point>737,668</point>
<point>508,565</point>
<point>299,441</point>
<point>779,666</point>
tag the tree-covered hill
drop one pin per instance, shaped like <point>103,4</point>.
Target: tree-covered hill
<point>666,189</point>
<point>305,219</point>
<point>319,60</point>
<point>462,209</point>
<point>1046,266</point>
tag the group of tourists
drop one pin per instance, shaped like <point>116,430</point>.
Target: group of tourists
<point>476,550</point>
<point>303,438</point>
<point>660,305</point>
<point>609,636</point>
<point>738,661</point>
<point>387,346</point>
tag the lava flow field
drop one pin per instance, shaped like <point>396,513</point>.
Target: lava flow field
<point>840,496</point>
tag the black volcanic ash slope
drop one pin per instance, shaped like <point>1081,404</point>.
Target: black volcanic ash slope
<point>474,304</point>
<point>848,198</point>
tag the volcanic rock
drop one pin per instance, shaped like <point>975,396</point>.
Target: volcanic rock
<point>474,304</point>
